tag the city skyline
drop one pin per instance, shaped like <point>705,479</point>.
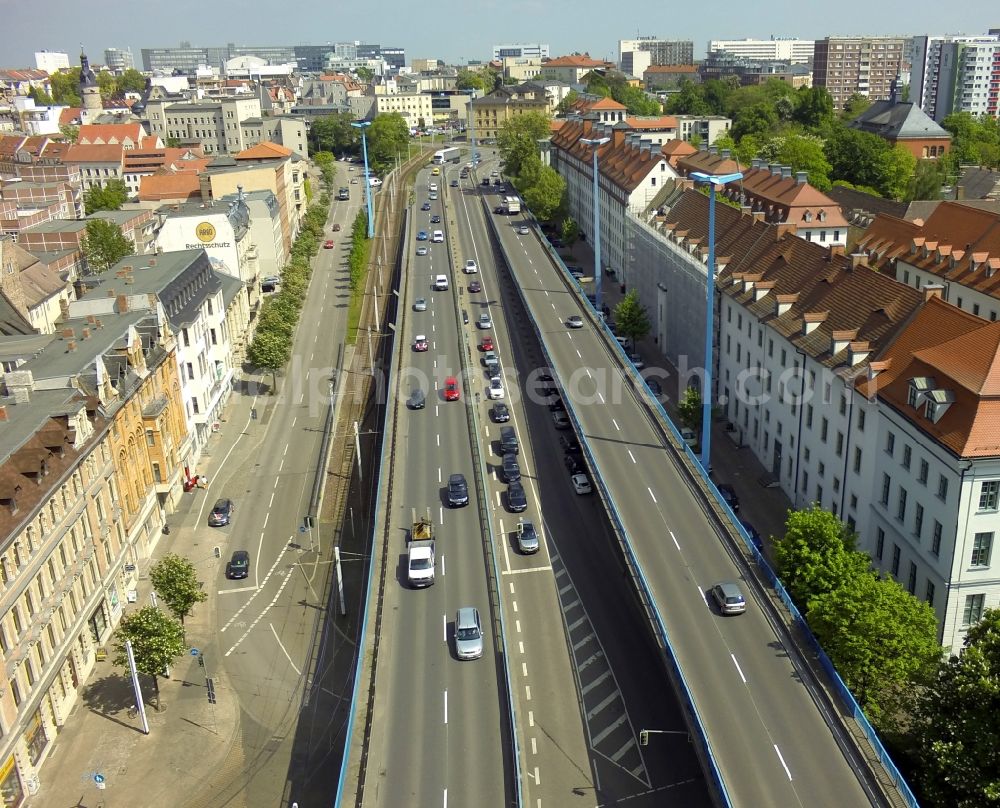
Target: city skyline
<point>66,26</point>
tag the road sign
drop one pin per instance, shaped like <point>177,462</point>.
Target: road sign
<point>195,652</point>
<point>99,780</point>
<point>302,528</point>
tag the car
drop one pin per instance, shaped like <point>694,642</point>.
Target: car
<point>453,183</point>
<point>728,494</point>
<point>420,343</point>
<point>728,598</point>
<point>437,237</point>
<point>486,344</point>
<point>435,219</point>
<point>468,633</point>
<point>470,267</point>
<point>570,445</point>
<point>336,227</point>
<point>558,405</point>
<point>574,463</point>
<point>527,537</point>
<point>354,180</point>
<point>498,209</point>
<point>508,440</point>
<point>575,321</point>
<point>545,377</point>
<point>654,387</point>
<point>755,537</point>
<point>422,235</point>
<point>689,436</point>
<point>270,283</point>
<point>475,287</point>
<point>490,357</point>
<point>581,483</point>
<point>222,513</point>
<point>432,187</point>
<point>435,172</point>
<point>560,420</point>
<point>517,500</point>
<point>425,206</point>
<point>636,361</point>
<point>486,181</point>
<point>576,272</point>
<point>484,321</point>
<point>451,391</point>
<point>441,283</point>
<point>417,399</point>
<point>328,244</point>
<point>422,250</point>
<point>238,565</point>
<point>420,304</point>
<point>546,393</point>
<point>511,468</point>
<point>432,196</point>
<point>458,491</point>
<point>495,390</point>
<point>497,182</point>
<point>499,413</point>
<point>494,173</point>
<point>523,230</point>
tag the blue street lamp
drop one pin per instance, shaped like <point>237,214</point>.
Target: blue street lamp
<point>362,125</point>
<point>596,143</point>
<point>472,126</point>
<point>713,180</point>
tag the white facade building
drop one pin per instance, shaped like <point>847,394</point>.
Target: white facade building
<point>534,50</point>
<point>954,73</point>
<point>51,61</point>
<point>793,51</point>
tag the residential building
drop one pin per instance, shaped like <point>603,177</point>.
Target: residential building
<point>265,229</point>
<point>136,224</point>
<point>956,74</point>
<point>32,292</point>
<point>118,61</point>
<point>414,107</point>
<point>663,51</point>
<point>213,124</point>
<point>903,123</point>
<point>35,120</point>
<point>491,111</point>
<point>146,162</point>
<point>20,82</point>
<point>865,66</point>
<point>706,128</point>
<point>775,194</point>
<point>88,462</point>
<point>51,61</point>
<point>520,69</point>
<point>752,72</point>
<point>18,152</point>
<point>571,69</point>
<point>793,51</point>
<point>534,50</point>
<point>285,130</point>
<point>636,63</point>
<point>667,78</point>
<point>25,201</point>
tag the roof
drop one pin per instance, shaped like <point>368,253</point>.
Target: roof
<point>671,69</point>
<point>652,123</point>
<point>575,60</point>
<point>979,183</point>
<point>107,133</point>
<point>624,164</point>
<point>607,103</point>
<point>853,200</point>
<point>956,352</point>
<point>266,150</point>
<point>899,120</point>
<point>111,153</point>
<point>70,114</point>
<point>159,187</point>
<point>25,74</point>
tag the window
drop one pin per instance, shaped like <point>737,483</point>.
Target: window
<point>857,460</point>
<point>827,392</point>
<point>809,415</point>
<point>988,495</point>
<point>929,593</point>
<point>922,477</point>
<point>973,611</point>
<point>901,505</point>
<point>819,494</point>
<point>918,521</point>
<point>879,543</point>
<point>854,501</point>
<point>982,545</point>
<point>895,560</point>
<point>824,429</point>
<point>936,538</point>
<point>890,444</point>
<point>911,581</point>
<point>840,444</point>
<point>843,405</point>
<point>907,454</point>
<point>806,454</point>
<point>805,480</point>
<point>886,482</point>
<point>942,488</point>
<point>851,523</point>
<point>821,468</point>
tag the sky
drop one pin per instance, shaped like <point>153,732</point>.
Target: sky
<point>457,32</point>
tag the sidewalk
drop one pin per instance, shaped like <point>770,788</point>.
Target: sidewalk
<point>191,744</point>
<point>765,508</point>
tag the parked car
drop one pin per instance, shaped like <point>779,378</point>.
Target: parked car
<point>511,468</point>
<point>574,463</point>
<point>570,445</point>
<point>755,537</point>
<point>239,565</point>
<point>270,283</point>
<point>222,513</point>
<point>729,495</point>
<point>581,483</point>
<point>729,598</point>
<point>690,437</point>
<point>560,420</point>
<point>499,413</point>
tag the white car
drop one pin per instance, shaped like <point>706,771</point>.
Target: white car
<point>470,267</point>
<point>432,187</point>
<point>581,484</point>
<point>441,282</point>
<point>422,251</point>
<point>437,236</point>
<point>689,437</point>
<point>636,361</point>
<point>495,390</point>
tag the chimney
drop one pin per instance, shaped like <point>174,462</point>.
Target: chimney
<point>781,229</point>
<point>758,215</point>
<point>3,412</point>
<point>617,137</point>
<point>71,346</point>
<point>801,177</point>
<point>726,153</point>
<point>63,308</point>
<point>68,333</point>
<point>834,249</point>
<point>703,146</point>
<point>775,169</point>
<point>755,163</point>
<point>933,290</point>
<point>152,262</point>
<point>858,260</point>
<point>121,304</point>
<point>205,187</point>
<point>786,172</point>
<point>713,150</point>
<point>85,334</point>
<point>91,319</point>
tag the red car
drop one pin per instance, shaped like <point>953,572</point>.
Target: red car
<point>475,287</point>
<point>328,244</point>
<point>451,389</point>
<point>420,343</point>
<point>486,344</point>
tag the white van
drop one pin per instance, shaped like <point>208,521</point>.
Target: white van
<point>433,186</point>
<point>440,282</point>
<point>437,236</point>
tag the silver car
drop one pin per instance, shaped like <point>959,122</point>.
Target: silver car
<point>729,598</point>
<point>420,304</point>
<point>527,538</point>
<point>468,633</point>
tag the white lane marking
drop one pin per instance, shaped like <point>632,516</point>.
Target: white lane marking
<point>446,706</point>
<point>778,753</point>
<point>498,499</point>
<point>739,670</point>
<point>282,647</point>
<point>517,625</point>
<point>531,718</point>
<point>439,440</point>
<point>579,354</point>
<point>676,543</point>
<point>444,628</point>
<point>240,589</point>
<point>631,455</point>
<point>600,397</point>
<point>266,577</point>
<point>524,669</point>
<point>446,798</point>
<point>441,515</point>
<point>260,617</point>
<point>514,604</point>
<point>527,692</point>
<point>534,745</point>
<point>537,778</point>
<point>439,474</point>
<point>512,587</point>
<point>651,493</point>
<point>547,567</point>
<point>520,647</point>
<point>616,425</point>
<point>443,571</point>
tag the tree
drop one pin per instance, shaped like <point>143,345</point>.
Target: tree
<point>569,231</point>
<point>956,733</point>
<point>518,139</point>
<point>132,81</point>
<point>176,582</point>
<point>157,640</point>
<point>812,556</point>
<point>108,84</point>
<point>805,153</point>
<point>366,74</point>
<point>854,106</point>
<point>630,316</point>
<point>758,119</point>
<point>689,409</point>
<point>70,132</point>
<point>270,351</point>
<point>688,100</point>
<point>897,167</point>
<point>546,192</point>
<point>334,133</point>
<point>881,639</point>
<point>104,245</point>
<point>387,137</point>
<point>567,103</point>
<point>65,86</point>
<point>813,108</point>
<point>40,97</point>
<point>108,197</point>
<point>856,156</point>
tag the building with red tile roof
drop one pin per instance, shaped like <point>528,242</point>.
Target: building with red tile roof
<point>571,69</point>
<point>169,187</point>
<point>128,135</point>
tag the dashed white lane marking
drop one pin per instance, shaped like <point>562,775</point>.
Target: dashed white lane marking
<point>524,669</point>
<point>631,455</point>
<point>260,617</point>
<point>534,746</point>
<point>282,647</point>
<point>739,670</point>
<point>531,718</point>
<point>778,753</point>
<point>259,588</point>
<point>446,706</point>
<point>616,425</point>
<point>651,493</point>
<point>527,692</point>
<point>444,628</point>
<point>672,536</point>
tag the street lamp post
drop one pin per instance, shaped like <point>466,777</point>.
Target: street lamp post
<point>362,125</point>
<point>596,143</point>
<point>472,126</point>
<point>713,180</point>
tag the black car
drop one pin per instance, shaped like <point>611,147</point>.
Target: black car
<point>570,445</point>
<point>654,387</point>
<point>557,406</point>
<point>511,468</point>
<point>498,209</point>
<point>475,286</point>
<point>545,377</point>
<point>499,413</point>
<point>425,206</point>
<point>548,392</point>
<point>458,491</point>
<point>574,464</point>
<point>729,496</point>
<point>417,399</point>
<point>239,565</point>
<point>222,513</point>
<point>517,501</point>
<point>435,219</point>
<point>453,183</point>
<point>485,182</point>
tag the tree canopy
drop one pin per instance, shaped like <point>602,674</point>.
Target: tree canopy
<point>545,193</point>
<point>813,555</point>
<point>388,137</point>
<point>65,86</point>
<point>108,197</point>
<point>517,140</point>
<point>689,409</point>
<point>631,318</point>
<point>104,245</point>
<point>176,582</point>
<point>617,87</point>
<point>157,640</point>
<point>334,133</point>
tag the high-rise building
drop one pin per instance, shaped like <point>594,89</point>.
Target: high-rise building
<point>792,51</point>
<point>857,65</point>
<point>956,74</point>
<point>51,61</point>
<point>533,50</point>
<point>309,58</point>
<point>662,51</point>
<point>117,60</point>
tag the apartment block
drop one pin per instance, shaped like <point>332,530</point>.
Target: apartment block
<point>956,74</point>
<point>662,51</point>
<point>215,125</point>
<point>534,50</point>
<point>793,51</point>
<point>858,65</point>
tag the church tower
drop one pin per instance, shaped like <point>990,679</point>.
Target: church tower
<point>89,91</point>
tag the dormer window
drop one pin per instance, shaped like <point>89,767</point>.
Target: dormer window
<point>919,385</point>
<point>822,216</point>
<point>808,216</point>
<point>937,405</point>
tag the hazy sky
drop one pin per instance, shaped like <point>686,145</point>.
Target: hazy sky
<point>456,31</point>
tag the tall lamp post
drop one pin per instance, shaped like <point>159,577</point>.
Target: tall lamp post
<point>596,143</point>
<point>713,180</point>
<point>472,127</point>
<point>362,125</point>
